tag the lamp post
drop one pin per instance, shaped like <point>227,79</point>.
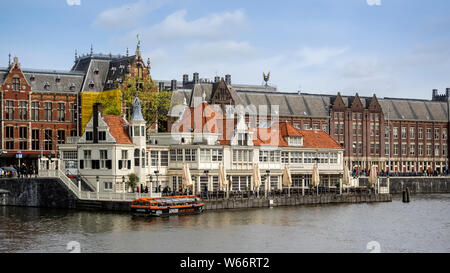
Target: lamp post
<point>206,172</point>
<point>123,183</point>
<point>266,186</point>
<point>157,181</point>
<point>340,182</point>
<point>97,178</point>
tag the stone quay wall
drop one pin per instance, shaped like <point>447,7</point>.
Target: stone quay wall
<point>416,185</point>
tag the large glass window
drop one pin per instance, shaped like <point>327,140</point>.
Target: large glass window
<point>61,111</point>
<point>9,110</point>
<point>23,110</point>
<point>47,111</point>
<point>35,111</point>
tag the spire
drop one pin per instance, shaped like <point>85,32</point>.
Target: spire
<point>127,51</point>
<point>9,59</point>
<point>76,55</point>
<point>137,112</point>
<point>138,47</point>
<point>92,50</point>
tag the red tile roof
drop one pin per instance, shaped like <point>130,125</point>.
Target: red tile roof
<point>117,129</point>
<point>202,118</point>
<point>319,139</point>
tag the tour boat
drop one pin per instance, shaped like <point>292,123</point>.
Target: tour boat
<point>165,206</point>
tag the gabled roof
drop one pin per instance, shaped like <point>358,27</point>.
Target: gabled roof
<point>200,119</point>
<point>118,129</point>
<point>318,139</point>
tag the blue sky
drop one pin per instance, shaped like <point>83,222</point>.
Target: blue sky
<point>394,48</point>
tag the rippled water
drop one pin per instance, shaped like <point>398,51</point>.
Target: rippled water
<point>420,226</point>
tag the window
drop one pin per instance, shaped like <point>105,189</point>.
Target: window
<point>137,131</point>
<point>420,133</point>
<point>205,155</point>
<point>444,149</point>
<point>428,149</point>
<point>89,136</point>
<point>23,109</point>
<point>444,133</point>
<point>124,163</point>
<point>190,155</point>
<point>48,140</point>
<point>428,133</point>
<point>173,155</point>
<point>333,158</point>
<point>412,149</point>
<point>437,149</point>
<point>412,132</point>
<point>102,135</point>
<point>60,111</point>
<point>386,148</point>
<point>395,132</point>
<point>47,111</point>
<point>420,149</point>
<point>403,149</point>
<point>179,154</point>
<point>295,141</point>
<point>164,158</point>
<point>136,157</point>
<point>386,132</point>
<point>35,111</point>
<point>285,157</point>
<point>61,136</point>
<point>296,157</point>
<point>35,139</point>
<point>9,110</point>
<point>23,135</point>
<point>325,128</point>
<point>323,158</point>
<point>73,112</point>
<point>154,158</point>
<point>309,158</point>
<point>108,185</point>
<point>263,156</point>
<point>103,159</point>
<point>217,155</point>
<point>436,133</point>
<point>242,139</point>
<point>403,132</point>
<point>16,84</point>
<point>9,135</point>
<point>395,149</point>
<point>242,156</point>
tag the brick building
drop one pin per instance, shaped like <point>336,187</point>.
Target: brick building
<point>41,108</point>
<point>418,138</point>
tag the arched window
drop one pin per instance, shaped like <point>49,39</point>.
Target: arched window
<point>136,157</point>
<point>143,158</point>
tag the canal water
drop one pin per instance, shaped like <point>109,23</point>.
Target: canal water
<point>420,226</point>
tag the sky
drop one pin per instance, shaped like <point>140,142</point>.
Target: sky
<point>391,48</point>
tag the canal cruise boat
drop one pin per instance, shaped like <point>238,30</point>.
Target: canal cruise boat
<point>165,206</point>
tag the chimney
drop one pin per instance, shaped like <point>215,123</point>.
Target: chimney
<point>216,79</point>
<point>97,108</point>
<point>185,79</point>
<point>195,78</point>
<point>173,85</point>
<point>228,79</point>
<point>435,92</point>
<point>161,86</point>
<point>447,92</point>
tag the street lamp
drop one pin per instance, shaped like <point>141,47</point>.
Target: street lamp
<point>206,172</point>
<point>97,178</point>
<point>157,181</point>
<point>267,182</point>
<point>123,182</point>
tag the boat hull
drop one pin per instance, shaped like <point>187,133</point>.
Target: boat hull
<point>167,211</point>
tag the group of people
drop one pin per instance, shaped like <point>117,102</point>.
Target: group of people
<point>19,171</point>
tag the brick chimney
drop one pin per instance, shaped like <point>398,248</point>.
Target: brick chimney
<point>228,79</point>
<point>185,79</point>
<point>173,85</point>
<point>195,78</point>
<point>97,108</point>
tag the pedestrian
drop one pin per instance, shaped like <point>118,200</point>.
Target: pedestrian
<point>146,189</point>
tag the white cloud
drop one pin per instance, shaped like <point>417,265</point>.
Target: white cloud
<point>129,15</point>
<point>73,2</point>
<point>176,27</point>
<point>318,56</point>
<point>374,2</point>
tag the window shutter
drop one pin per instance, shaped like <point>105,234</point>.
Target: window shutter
<point>109,164</point>
<point>120,164</point>
<point>129,164</point>
<point>81,164</point>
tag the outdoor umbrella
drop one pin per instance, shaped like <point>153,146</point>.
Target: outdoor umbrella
<point>256,177</point>
<point>287,179</point>
<point>373,176</point>
<point>315,180</point>
<point>223,183</point>
<point>187,179</point>
<point>346,176</point>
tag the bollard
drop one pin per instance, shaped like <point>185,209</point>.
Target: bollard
<point>408,193</point>
<point>404,199</point>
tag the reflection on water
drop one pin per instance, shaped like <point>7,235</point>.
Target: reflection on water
<point>420,226</point>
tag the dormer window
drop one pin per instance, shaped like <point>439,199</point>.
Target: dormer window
<point>96,71</point>
<point>16,84</point>
<point>91,85</point>
<point>46,85</point>
<point>58,79</point>
<point>242,139</point>
<point>72,87</point>
<point>295,141</point>
<point>32,78</point>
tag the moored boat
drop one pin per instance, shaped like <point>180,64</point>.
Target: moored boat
<point>165,206</point>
